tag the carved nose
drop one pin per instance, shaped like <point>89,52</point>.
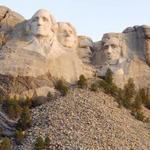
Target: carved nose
<point>40,22</point>
<point>66,33</point>
<point>109,50</point>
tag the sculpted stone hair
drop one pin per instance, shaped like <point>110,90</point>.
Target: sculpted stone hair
<point>60,24</point>
<point>66,23</point>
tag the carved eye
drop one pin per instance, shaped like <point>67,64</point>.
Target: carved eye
<point>45,19</point>
<point>70,31</point>
<point>105,47</point>
<point>35,19</point>
<point>113,46</point>
<point>65,33</point>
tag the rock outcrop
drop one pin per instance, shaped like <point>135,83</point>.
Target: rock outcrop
<point>85,49</point>
<point>39,47</point>
<point>8,20</point>
<point>7,126</point>
<point>126,54</point>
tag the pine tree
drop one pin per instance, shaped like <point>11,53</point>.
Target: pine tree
<point>129,89</point>
<point>61,87</point>
<point>13,108</point>
<point>49,96</point>
<point>25,119</point>
<point>108,76</point>
<point>5,144</point>
<point>20,136</point>
<point>47,142</point>
<point>39,144</point>
<point>82,82</point>
<point>137,102</point>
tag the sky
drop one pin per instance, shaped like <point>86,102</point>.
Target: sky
<point>92,18</point>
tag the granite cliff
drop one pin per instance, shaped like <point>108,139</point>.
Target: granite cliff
<point>39,51</point>
<point>126,54</point>
<point>35,53</point>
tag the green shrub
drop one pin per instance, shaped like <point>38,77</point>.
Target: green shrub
<point>12,108</point>
<point>111,89</point>
<point>127,94</point>
<point>94,87</point>
<point>47,142</point>
<point>137,104</point>
<point>82,82</point>
<point>39,144</point>
<point>25,119</point>
<point>139,115</point>
<point>61,87</point>
<point>49,96</point>
<point>129,89</point>
<point>25,102</point>
<point>126,103</point>
<point>108,76</point>
<point>20,135</point>
<point>5,144</point>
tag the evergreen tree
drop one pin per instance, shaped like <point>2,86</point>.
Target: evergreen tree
<point>137,102</point>
<point>108,76</point>
<point>5,144</point>
<point>129,89</point>
<point>94,87</point>
<point>47,142</point>
<point>25,119</point>
<point>12,108</point>
<point>49,96</point>
<point>20,136</point>
<point>128,93</point>
<point>61,87</point>
<point>82,82</point>
<point>39,144</point>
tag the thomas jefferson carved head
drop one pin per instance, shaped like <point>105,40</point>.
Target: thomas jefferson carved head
<point>67,35</point>
<point>112,48</point>
<point>42,24</point>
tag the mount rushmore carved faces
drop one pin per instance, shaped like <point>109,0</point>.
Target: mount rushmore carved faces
<point>67,35</point>
<point>31,51</point>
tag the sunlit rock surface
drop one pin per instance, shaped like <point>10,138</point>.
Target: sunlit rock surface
<point>34,49</point>
<point>126,54</point>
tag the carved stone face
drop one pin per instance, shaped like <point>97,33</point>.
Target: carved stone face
<point>112,50</point>
<point>41,24</point>
<point>66,35</point>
